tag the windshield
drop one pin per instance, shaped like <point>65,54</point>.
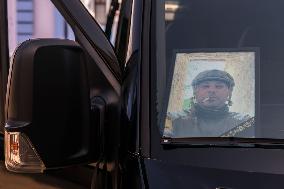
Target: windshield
<point>219,68</point>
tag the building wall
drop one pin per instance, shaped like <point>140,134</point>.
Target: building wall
<point>12,26</point>
<point>30,19</point>
<point>44,19</point>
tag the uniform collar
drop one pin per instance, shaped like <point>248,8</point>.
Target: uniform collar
<point>209,113</point>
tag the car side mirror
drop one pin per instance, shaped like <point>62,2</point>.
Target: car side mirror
<point>50,122</point>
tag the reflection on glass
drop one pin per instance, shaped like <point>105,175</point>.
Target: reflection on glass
<point>170,8</point>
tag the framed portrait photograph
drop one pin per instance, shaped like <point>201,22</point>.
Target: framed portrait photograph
<point>213,93</point>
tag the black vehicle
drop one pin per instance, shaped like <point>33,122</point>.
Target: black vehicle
<point>136,111</point>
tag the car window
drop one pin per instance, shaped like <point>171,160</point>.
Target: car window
<point>35,19</point>
<point>219,72</point>
<point>100,9</point>
<point>39,19</point>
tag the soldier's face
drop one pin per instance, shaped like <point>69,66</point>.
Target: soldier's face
<point>212,94</point>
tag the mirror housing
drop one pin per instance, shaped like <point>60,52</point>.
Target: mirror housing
<point>50,119</point>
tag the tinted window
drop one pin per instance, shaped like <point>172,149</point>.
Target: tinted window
<point>206,33</point>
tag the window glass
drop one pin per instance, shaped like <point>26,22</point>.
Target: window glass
<point>31,19</point>
<point>99,9</point>
<point>219,72</point>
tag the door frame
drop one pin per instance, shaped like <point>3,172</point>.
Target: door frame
<point>4,63</point>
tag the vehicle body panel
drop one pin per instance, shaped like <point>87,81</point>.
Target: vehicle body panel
<point>177,175</point>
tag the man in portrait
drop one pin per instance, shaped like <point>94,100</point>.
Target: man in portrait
<point>210,115</point>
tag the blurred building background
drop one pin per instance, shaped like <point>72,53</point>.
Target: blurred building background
<point>30,19</point>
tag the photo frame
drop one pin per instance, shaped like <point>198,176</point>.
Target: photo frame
<point>241,63</point>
